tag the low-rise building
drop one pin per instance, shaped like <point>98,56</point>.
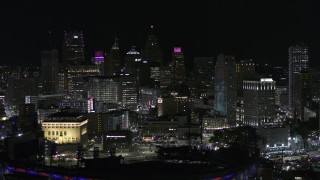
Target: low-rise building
<point>64,128</point>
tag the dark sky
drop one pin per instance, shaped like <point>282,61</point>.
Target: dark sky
<point>261,31</point>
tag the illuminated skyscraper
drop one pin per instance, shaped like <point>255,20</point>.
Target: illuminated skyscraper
<point>259,102</point>
<point>98,58</point>
<point>152,53</point>
<point>298,62</point>
<point>73,48</point>
<point>178,69</point>
<point>76,74</point>
<point>50,69</point>
<point>132,60</point>
<point>103,89</point>
<point>225,89</point>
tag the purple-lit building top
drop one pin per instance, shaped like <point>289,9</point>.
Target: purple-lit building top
<point>98,57</point>
<point>177,49</point>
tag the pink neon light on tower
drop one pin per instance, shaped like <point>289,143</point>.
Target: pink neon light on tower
<point>99,53</point>
<point>177,49</point>
<point>99,56</point>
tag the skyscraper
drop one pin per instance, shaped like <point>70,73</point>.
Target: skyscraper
<point>302,93</point>
<point>298,62</point>
<point>115,59</point>
<point>259,101</point>
<point>243,68</point>
<point>102,89</point>
<point>73,48</point>
<point>204,70</point>
<point>50,69</point>
<point>76,74</point>
<point>152,53</point>
<point>178,70</point>
<point>225,89</point>
<point>132,60</point>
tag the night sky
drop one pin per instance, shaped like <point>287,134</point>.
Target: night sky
<point>261,31</point>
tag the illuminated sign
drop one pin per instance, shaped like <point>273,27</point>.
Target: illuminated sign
<point>266,80</point>
<point>75,37</point>
<point>116,136</point>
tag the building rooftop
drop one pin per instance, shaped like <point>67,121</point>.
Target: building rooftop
<point>65,117</point>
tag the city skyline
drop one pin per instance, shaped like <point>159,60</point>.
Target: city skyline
<point>262,32</point>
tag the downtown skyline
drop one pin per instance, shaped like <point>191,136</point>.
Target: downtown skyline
<point>247,30</point>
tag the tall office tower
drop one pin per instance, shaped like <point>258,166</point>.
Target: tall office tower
<point>144,74</point>
<point>259,102</point>
<point>302,93</point>
<point>225,88</point>
<point>73,48</point>
<point>50,69</point>
<point>165,76</point>
<point>132,60</point>
<point>107,65</point>
<point>298,62</point>
<point>129,91</point>
<point>103,90</point>
<point>75,75</point>
<point>204,71</point>
<point>27,118</point>
<point>115,58</point>
<point>62,78</point>
<point>98,60</point>
<point>178,70</point>
<point>152,53</point>
<point>243,68</point>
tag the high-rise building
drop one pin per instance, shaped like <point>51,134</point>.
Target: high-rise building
<point>115,59</point>
<point>298,62</point>
<point>103,89</point>
<point>129,91</point>
<point>152,53</point>
<point>302,93</point>
<point>107,65</point>
<point>73,48</point>
<point>259,102</point>
<point>50,69</point>
<point>132,61</point>
<point>120,89</point>
<point>204,70</point>
<point>178,70</point>
<point>75,75</point>
<point>165,76</point>
<point>225,88</point>
<point>144,74</point>
<point>243,68</point>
